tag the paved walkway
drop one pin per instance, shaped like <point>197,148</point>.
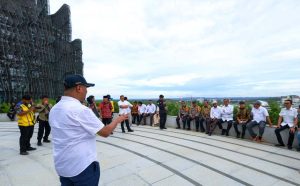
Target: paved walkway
<point>149,156</point>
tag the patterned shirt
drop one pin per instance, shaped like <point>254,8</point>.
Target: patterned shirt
<point>243,114</point>
<point>195,111</point>
<point>205,111</point>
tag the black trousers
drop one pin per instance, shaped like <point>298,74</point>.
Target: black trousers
<point>184,120</point>
<point>162,120</point>
<point>135,117</point>
<point>43,126</point>
<point>106,121</point>
<point>26,134</point>
<point>213,125</point>
<point>279,138</point>
<point>145,118</point>
<point>127,125</point>
<point>229,125</point>
<point>198,122</point>
<point>244,126</point>
<point>140,118</point>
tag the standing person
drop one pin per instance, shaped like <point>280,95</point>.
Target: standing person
<point>74,128</point>
<point>183,115</point>
<point>227,116</point>
<point>26,121</point>
<point>205,112</point>
<point>242,118</point>
<point>215,118</point>
<point>150,111</point>
<point>161,103</point>
<point>112,104</point>
<point>105,110</point>
<point>135,112</point>
<point>123,110</point>
<point>195,114</point>
<point>142,109</point>
<point>44,110</point>
<point>260,116</point>
<point>287,120</point>
<point>92,105</point>
<point>12,111</point>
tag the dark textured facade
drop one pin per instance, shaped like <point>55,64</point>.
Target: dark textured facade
<point>36,51</point>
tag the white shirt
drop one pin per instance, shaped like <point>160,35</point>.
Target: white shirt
<point>227,113</point>
<point>259,114</point>
<point>288,116</point>
<point>215,112</point>
<point>151,108</point>
<point>142,109</point>
<point>124,110</point>
<point>74,128</point>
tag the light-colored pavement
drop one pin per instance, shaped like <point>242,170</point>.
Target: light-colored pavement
<point>150,156</point>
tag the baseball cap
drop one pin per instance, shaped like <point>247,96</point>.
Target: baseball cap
<point>76,79</point>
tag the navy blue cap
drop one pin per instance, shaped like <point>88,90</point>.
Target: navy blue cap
<point>76,79</point>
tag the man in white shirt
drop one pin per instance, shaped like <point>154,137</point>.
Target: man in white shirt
<point>124,109</point>
<point>227,116</point>
<point>287,120</point>
<point>74,128</point>
<point>260,116</point>
<point>142,109</point>
<point>150,111</point>
<point>215,118</point>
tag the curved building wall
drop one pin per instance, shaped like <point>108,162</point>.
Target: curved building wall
<point>36,51</point>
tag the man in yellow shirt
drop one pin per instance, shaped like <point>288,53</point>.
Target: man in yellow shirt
<point>26,121</point>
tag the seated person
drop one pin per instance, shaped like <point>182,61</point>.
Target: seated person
<point>183,114</point>
<point>287,120</point>
<point>215,118</point>
<point>195,114</point>
<point>227,116</point>
<point>260,116</point>
<point>150,111</point>
<point>242,118</point>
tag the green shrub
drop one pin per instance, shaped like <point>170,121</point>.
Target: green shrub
<point>4,107</point>
<point>274,111</point>
<point>173,108</point>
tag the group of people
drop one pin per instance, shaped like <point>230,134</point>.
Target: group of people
<point>258,116</point>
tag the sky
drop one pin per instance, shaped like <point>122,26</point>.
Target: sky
<point>188,48</point>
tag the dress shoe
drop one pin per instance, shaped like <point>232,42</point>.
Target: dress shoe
<point>31,148</point>
<point>279,145</point>
<point>130,131</point>
<point>39,143</point>
<point>164,128</point>
<point>290,147</point>
<point>223,131</point>
<point>46,141</point>
<point>24,153</point>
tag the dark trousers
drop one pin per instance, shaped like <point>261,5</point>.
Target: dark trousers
<point>213,125</point>
<point>184,120</point>
<point>106,121</point>
<point>261,127</point>
<point>162,120</point>
<point>26,134</point>
<point>151,118</point>
<point>229,125</point>
<point>11,115</point>
<point>135,117</point>
<point>197,122</point>
<point>279,138</point>
<point>127,125</point>
<point>140,118</point>
<point>235,125</point>
<point>43,126</point>
<point>207,124</point>
<point>89,177</point>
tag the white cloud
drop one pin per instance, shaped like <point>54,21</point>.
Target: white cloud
<point>143,47</point>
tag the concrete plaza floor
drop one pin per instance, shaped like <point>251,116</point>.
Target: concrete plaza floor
<point>150,156</point>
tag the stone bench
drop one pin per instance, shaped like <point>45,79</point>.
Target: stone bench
<point>269,134</point>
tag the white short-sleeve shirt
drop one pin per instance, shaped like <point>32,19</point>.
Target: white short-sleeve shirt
<point>259,114</point>
<point>150,109</point>
<point>74,128</point>
<point>288,116</point>
<point>124,110</point>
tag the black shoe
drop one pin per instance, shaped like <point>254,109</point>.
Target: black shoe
<point>290,147</point>
<point>197,130</point>
<point>209,133</point>
<point>227,134</point>
<point>279,145</point>
<point>24,153</point>
<point>123,131</point>
<point>130,131</point>
<point>238,135</point>
<point>202,130</point>
<point>39,143</point>
<point>164,128</point>
<point>298,149</point>
<point>31,148</point>
<point>177,127</point>
<point>206,132</point>
<point>188,129</point>
<point>46,141</point>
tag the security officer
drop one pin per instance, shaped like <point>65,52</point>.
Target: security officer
<point>43,110</point>
<point>195,114</point>
<point>26,121</point>
<point>161,103</point>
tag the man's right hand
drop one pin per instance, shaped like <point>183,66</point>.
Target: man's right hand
<point>121,118</point>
